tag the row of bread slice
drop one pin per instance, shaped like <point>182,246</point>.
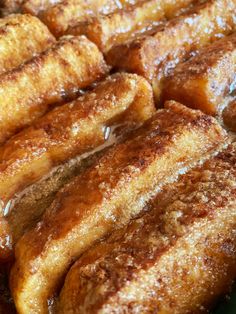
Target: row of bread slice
<point>33,152</point>
<point>160,57</point>
<point>41,151</point>
<point>52,59</point>
<point>67,65</point>
<point>39,73</point>
<point>116,188</point>
<point>78,128</point>
<point>177,257</point>
<point>129,35</point>
<point>134,15</point>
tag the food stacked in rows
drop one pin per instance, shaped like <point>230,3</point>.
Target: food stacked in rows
<point>117,155</point>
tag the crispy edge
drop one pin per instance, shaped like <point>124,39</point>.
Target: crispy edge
<point>142,259</point>
<point>22,37</point>
<point>206,79</point>
<point>52,77</point>
<point>140,163</point>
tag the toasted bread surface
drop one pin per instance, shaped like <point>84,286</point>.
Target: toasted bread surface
<point>21,37</point>
<point>108,194</point>
<point>176,258</point>
<point>156,56</point>
<point>69,12</point>
<point>205,80</point>
<point>64,133</point>
<point>28,91</point>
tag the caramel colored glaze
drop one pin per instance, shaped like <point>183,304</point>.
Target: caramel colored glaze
<point>206,79</point>
<point>35,7</point>
<point>107,31</point>
<point>176,258</point>
<point>69,12</point>
<point>22,37</point>
<point>65,132</point>
<point>107,195</point>
<point>27,92</point>
<point>229,116</point>
<point>154,57</point>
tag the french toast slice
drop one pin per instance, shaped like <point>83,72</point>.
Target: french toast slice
<point>206,79</point>
<point>107,31</point>
<point>21,37</point>
<point>154,57</point>
<point>106,196</point>
<point>69,12</point>
<point>68,131</point>
<point>176,258</point>
<point>229,116</point>
<point>110,30</point>
<point>28,91</point>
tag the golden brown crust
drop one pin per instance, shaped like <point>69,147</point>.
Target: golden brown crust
<point>229,116</point>
<point>27,92</point>
<point>205,80</point>
<point>73,129</point>
<point>176,258</point>
<point>107,31</point>
<point>69,12</point>
<point>110,30</point>
<point>107,195</point>
<point>155,56</point>
<point>22,37</point>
